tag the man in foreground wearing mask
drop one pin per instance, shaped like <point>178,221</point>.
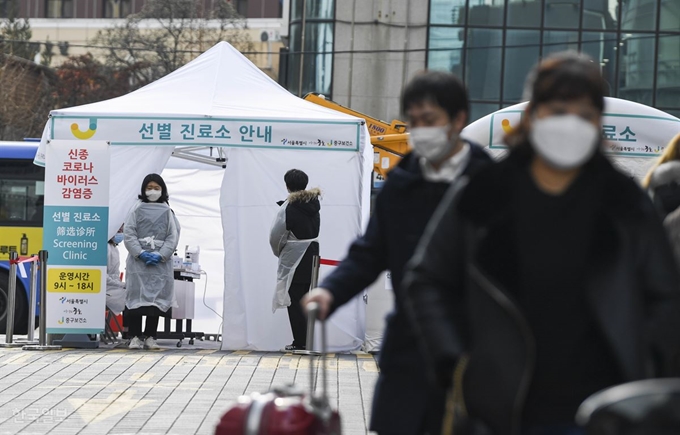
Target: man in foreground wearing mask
<point>436,106</point>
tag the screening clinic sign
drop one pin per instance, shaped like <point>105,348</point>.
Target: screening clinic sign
<point>75,235</point>
<point>628,129</point>
<point>213,131</point>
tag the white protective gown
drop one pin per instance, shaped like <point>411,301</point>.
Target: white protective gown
<point>290,251</point>
<point>150,227</point>
<point>115,288</point>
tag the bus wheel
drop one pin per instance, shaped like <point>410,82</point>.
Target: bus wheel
<point>20,309</point>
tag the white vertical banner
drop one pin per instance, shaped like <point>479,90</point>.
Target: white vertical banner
<point>75,235</point>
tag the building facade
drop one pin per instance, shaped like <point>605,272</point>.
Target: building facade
<point>72,24</point>
<point>490,44</point>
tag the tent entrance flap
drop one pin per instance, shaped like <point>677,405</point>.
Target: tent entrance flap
<point>214,156</point>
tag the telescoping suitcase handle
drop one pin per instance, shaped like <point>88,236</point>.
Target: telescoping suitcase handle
<point>312,316</point>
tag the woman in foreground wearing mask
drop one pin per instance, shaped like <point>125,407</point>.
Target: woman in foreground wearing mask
<point>569,278</point>
<point>151,236</point>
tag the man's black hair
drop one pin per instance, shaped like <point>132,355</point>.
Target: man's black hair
<point>441,88</point>
<point>296,180</point>
<point>158,179</point>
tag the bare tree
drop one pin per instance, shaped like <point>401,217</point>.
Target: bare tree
<point>15,36</point>
<point>169,33</point>
<point>26,97</point>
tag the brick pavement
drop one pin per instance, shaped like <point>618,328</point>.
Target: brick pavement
<point>171,390</point>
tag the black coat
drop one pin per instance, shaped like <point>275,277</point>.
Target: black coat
<point>400,215</point>
<point>304,221</point>
<point>460,302</point>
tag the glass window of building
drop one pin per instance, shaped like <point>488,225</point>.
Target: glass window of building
<point>319,9</point>
<point>6,8</point>
<point>483,62</point>
<point>562,13</point>
<point>637,61</point>
<point>559,40</point>
<point>602,46</point>
<point>668,72</point>
<point>492,47</point>
<point>447,12</point>
<point>638,15</point>
<point>117,8</point>
<point>524,13</point>
<point>522,50</point>
<point>242,7</point>
<point>446,49</point>
<point>59,8</point>
<point>669,18</point>
<point>600,14</point>
<point>486,12</point>
<point>310,63</point>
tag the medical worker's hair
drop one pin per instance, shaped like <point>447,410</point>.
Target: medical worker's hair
<point>158,179</point>
<point>438,87</point>
<point>563,76</point>
<point>296,180</point>
<point>672,152</point>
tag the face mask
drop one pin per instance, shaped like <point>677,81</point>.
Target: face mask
<point>432,143</point>
<point>564,141</point>
<point>153,195</point>
<point>118,238</point>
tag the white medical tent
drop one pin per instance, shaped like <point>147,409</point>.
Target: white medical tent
<point>221,101</point>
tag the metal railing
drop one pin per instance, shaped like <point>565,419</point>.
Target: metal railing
<point>39,261</point>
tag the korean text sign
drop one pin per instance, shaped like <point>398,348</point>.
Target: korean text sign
<point>622,134</point>
<point>249,133</point>
<point>76,235</point>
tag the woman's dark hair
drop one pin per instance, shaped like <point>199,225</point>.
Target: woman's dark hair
<point>441,88</point>
<point>564,76</point>
<point>158,179</point>
<point>295,180</point>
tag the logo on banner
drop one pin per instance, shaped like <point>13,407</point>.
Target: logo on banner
<point>507,127</point>
<point>503,123</point>
<point>83,135</point>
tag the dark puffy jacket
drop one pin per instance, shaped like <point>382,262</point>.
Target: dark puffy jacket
<point>304,221</point>
<point>633,291</point>
<point>400,215</point>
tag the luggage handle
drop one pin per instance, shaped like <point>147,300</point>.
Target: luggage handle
<point>312,316</point>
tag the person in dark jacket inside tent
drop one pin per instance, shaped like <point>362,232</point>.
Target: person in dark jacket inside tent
<point>293,240</point>
<point>436,106</point>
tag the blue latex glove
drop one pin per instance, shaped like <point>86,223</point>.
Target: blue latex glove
<point>156,258</point>
<point>147,258</point>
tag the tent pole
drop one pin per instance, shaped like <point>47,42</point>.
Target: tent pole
<point>351,54</point>
<point>302,46</point>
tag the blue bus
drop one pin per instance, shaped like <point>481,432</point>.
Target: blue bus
<point>22,193</point>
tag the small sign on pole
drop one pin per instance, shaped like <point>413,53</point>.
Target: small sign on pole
<point>76,234</point>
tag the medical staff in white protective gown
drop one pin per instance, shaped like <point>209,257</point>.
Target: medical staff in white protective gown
<point>115,287</point>
<point>151,237</point>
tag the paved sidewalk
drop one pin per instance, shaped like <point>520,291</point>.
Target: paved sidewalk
<point>172,390</point>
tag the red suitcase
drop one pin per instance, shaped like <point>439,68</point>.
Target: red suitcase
<point>284,411</point>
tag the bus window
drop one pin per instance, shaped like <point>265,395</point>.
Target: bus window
<point>21,193</point>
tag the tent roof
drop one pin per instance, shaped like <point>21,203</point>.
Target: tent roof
<point>221,83</point>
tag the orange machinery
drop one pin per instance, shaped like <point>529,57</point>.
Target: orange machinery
<point>389,140</point>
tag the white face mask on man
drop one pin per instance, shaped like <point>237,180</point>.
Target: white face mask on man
<point>432,143</point>
<point>153,195</point>
<point>564,141</point>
